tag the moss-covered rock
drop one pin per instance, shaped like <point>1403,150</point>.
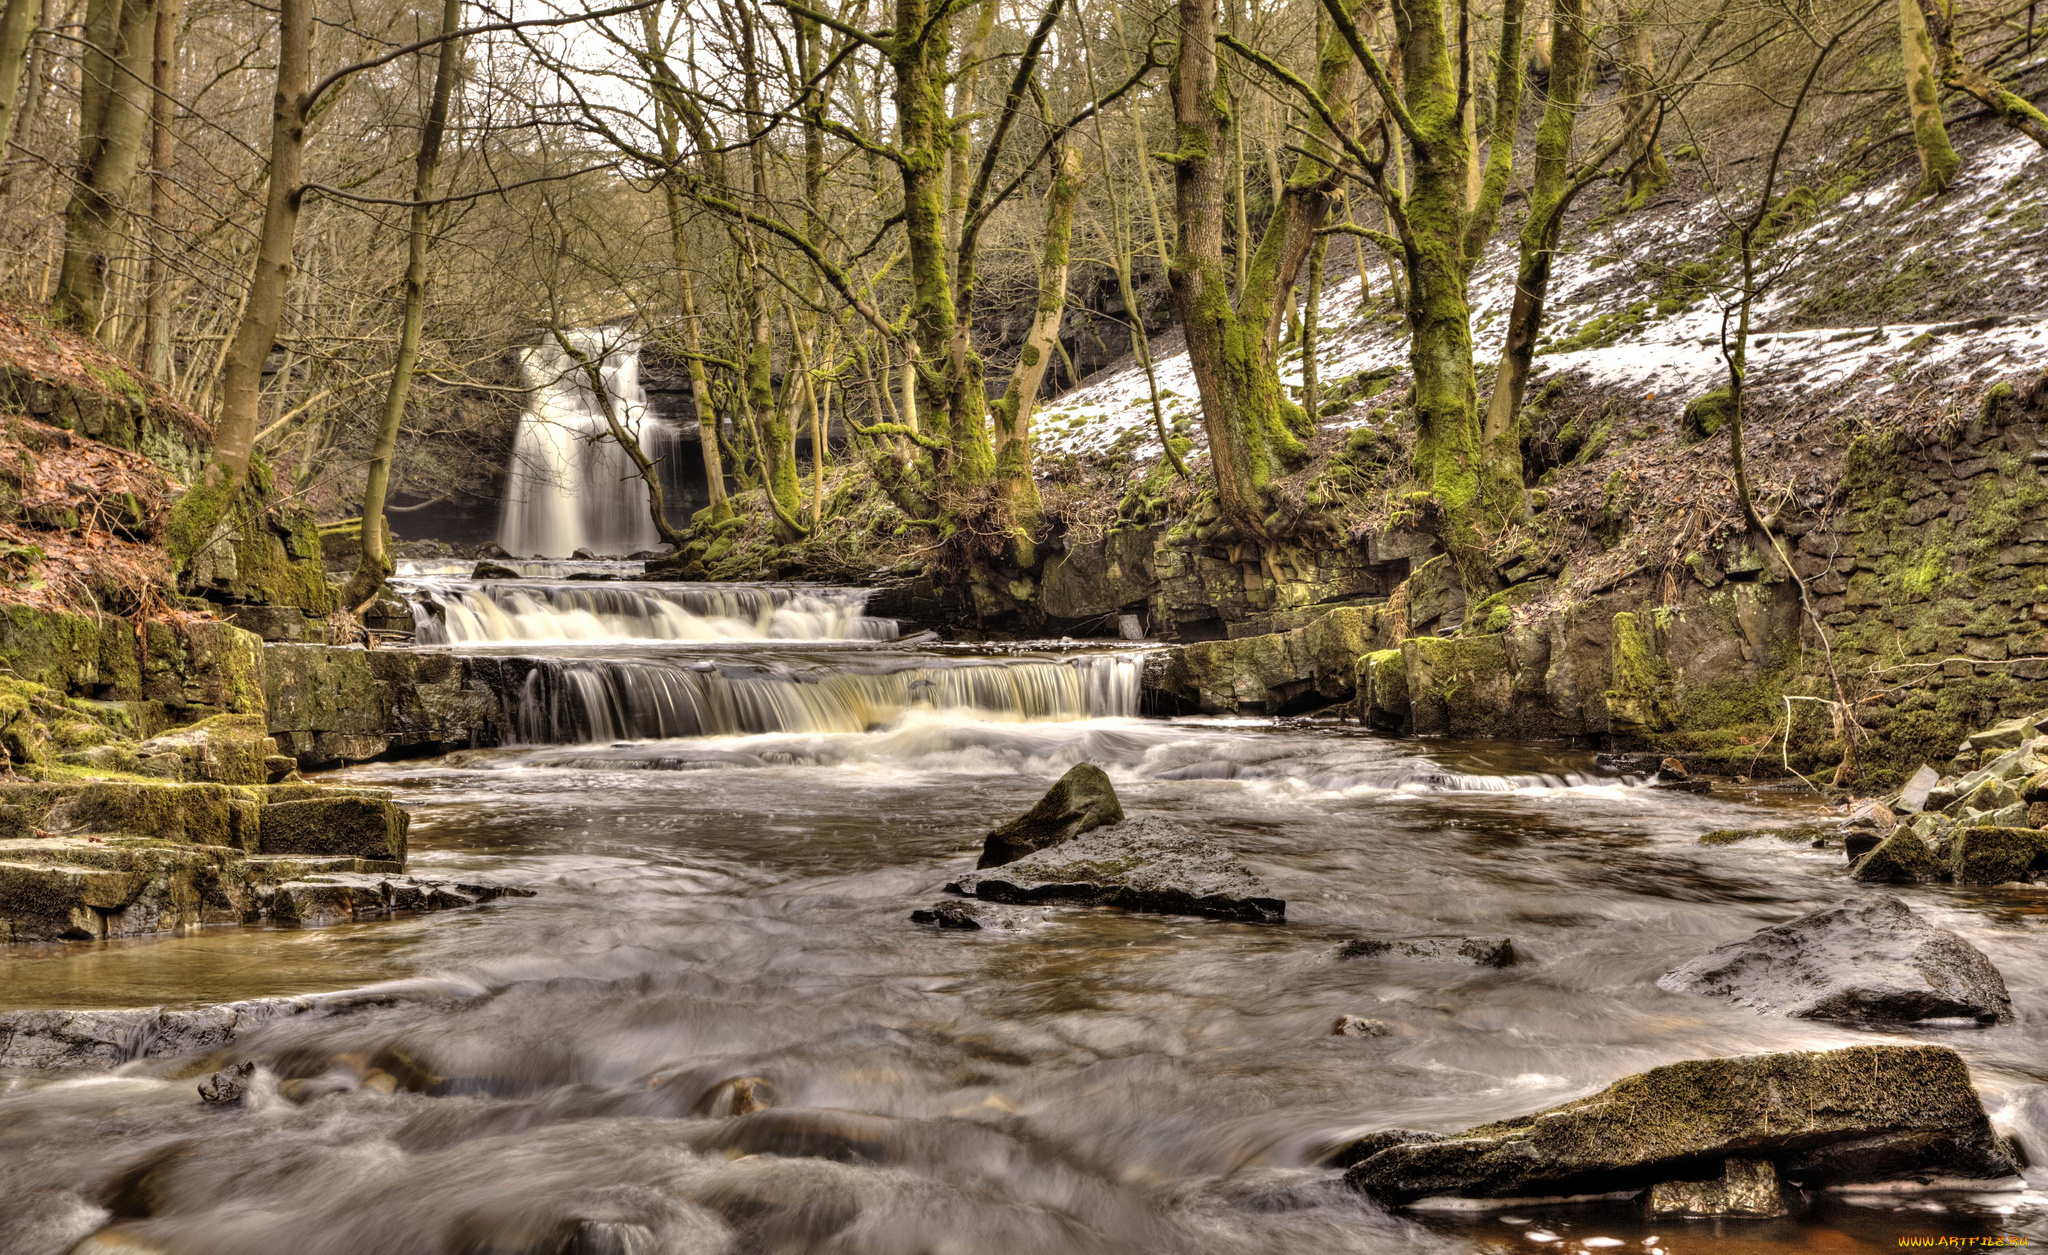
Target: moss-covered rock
<point>237,546</point>
<point>351,826</point>
<point>1461,686</point>
<point>1279,672</point>
<point>225,749</point>
<point>1996,855</point>
<point>1641,701</point>
<point>1383,690</point>
<point>1900,859</point>
<point>1867,1113</point>
<point>1080,801</point>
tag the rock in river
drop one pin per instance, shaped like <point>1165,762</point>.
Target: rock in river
<point>1144,864</point>
<point>1868,958</point>
<point>1867,1113</point>
<point>1477,951</point>
<point>1082,801</point>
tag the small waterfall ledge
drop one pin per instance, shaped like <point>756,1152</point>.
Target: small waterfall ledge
<point>461,612</point>
<point>571,487</point>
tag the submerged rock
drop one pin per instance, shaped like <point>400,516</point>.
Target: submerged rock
<point>1478,951</point>
<point>1863,1114</point>
<point>1359,1026</point>
<point>1867,958</point>
<point>226,1086</point>
<point>1081,801</point>
<point>1747,1187</point>
<point>1144,864</point>
<point>955,916</point>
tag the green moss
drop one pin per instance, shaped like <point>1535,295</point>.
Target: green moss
<point>1707,414</point>
<point>116,380</point>
<point>1999,509</point>
<point>1925,571</point>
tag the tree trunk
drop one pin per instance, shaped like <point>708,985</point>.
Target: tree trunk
<point>374,566</point>
<point>2012,109</point>
<point>949,390</point>
<point>112,120</point>
<point>593,373</point>
<point>1938,160</point>
<point>241,388</point>
<point>1444,238</point>
<point>1012,413</point>
<point>156,314</point>
<point>17,22</point>
<point>1549,191</point>
<point>1254,431</point>
<point>1311,313</point>
<point>693,340</point>
<point>1638,84</point>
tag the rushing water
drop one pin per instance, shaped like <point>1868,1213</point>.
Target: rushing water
<point>732,903</point>
<point>462,612</point>
<point>570,485</point>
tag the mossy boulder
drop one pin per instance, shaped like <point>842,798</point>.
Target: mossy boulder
<point>1279,672</point>
<point>1863,1114</point>
<point>1080,801</point>
<point>1383,690</point>
<point>1902,858</point>
<point>226,749</point>
<point>1707,414</point>
<point>1460,686</point>
<point>238,546</point>
<point>350,826</point>
<point>1996,855</point>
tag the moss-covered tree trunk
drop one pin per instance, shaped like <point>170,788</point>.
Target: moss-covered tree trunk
<point>373,567</point>
<point>1938,160</point>
<point>2014,110</point>
<point>950,396</point>
<point>1550,190</point>
<point>1255,433</point>
<point>1013,412</point>
<point>1444,237</point>
<point>113,118</point>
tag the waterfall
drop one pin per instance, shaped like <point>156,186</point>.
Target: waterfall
<point>570,486</point>
<point>455,612</point>
<point>580,701</point>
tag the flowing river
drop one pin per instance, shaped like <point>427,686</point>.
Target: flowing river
<point>730,800</point>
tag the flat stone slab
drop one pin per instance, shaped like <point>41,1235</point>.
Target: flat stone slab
<point>1868,958</point>
<point>1147,864</point>
<point>1833,1117</point>
<point>105,1039</point>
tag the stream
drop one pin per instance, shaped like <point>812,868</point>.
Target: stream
<point>730,798</point>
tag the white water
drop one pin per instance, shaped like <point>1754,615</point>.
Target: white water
<point>570,485</point>
<point>593,701</point>
<point>461,612</point>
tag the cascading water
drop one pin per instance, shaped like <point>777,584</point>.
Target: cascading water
<point>585,700</point>
<point>570,485</point>
<point>732,798</point>
<point>461,612</point>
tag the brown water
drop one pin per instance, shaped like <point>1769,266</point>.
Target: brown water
<point>1084,1081</point>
